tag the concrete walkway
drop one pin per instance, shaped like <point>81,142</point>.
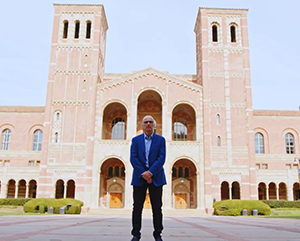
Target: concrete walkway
<point>118,227</point>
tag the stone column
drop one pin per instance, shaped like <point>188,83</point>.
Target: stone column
<point>65,190</point>
<point>16,191</point>
<point>27,191</point>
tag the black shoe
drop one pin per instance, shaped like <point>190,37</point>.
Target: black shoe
<point>158,239</point>
<point>135,239</point>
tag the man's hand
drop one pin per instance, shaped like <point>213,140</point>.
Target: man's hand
<point>149,180</point>
<point>147,176</point>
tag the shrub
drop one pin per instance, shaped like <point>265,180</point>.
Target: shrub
<point>235,207</point>
<point>42,205</point>
<point>282,204</point>
<point>13,201</point>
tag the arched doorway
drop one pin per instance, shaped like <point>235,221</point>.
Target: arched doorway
<point>114,122</point>
<point>71,189</point>
<point>282,191</point>
<point>235,191</point>
<point>149,103</point>
<point>112,184</point>
<point>59,189</point>
<point>183,123</point>
<point>11,188</point>
<point>224,191</point>
<point>32,189</point>
<point>184,184</point>
<point>296,191</point>
<point>262,191</point>
<point>22,189</point>
<point>272,191</point>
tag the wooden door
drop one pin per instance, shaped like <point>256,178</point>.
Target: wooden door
<point>181,201</point>
<point>115,200</point>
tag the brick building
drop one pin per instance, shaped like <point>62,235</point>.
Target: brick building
<point>218,147</point>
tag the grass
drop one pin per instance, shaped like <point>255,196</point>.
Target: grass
<point>14,211</point>
<point>285,213</point>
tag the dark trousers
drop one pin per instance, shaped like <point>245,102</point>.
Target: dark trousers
<point>139,195</point>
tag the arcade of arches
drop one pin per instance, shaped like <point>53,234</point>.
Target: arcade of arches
<point>22,189</point>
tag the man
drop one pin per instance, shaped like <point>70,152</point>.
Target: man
<point>147,157</point>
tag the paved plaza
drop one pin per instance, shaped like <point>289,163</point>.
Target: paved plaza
<point>117,228</point>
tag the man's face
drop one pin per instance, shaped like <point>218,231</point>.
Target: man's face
<point>148,125</point>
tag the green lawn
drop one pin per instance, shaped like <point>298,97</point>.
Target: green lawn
<point>285,213</point>
<point>13,211</point>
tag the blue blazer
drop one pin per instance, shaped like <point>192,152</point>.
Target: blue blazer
<point>157,157</point>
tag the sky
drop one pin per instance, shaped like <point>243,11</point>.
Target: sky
<point>158,34</point>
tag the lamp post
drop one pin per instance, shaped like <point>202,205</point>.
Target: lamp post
<point>297,161</point>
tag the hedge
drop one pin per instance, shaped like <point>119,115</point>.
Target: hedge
<point>236,207</point>
<point>13,201</point>
<point>282,204</point>
<point>42,205</point>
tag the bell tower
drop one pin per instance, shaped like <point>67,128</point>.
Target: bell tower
<point>76,67</point>
<point>223,69</point>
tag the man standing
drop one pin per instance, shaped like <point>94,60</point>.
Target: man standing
<point>147,157</point>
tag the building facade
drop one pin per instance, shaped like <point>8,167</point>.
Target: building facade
<point>218,147</point>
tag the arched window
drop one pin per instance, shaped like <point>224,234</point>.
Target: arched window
<point>116,174</point>
<point>218,141</point>
<point>88,29</point>
<point>118,129</point>
<point>180,131</point>
<point>289,143</point>
<point>110,172</point>
<point>186,172</point>
<point>180,172</point>
<point>233,33</point>
<point>174,172</point>
<point>6,136</point>
<point>215,33</point>
<point>56,137</point>
<point>37,140</point>
<point>57,116</point>
<point>77,26</point>
<point>65,31</point>
<point>259,143</point>
<point>218,119</point>
<point>59,189</point>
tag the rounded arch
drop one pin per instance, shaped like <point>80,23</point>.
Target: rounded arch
<point>71,188</point>
<point>21,189</point>
<point>146,89</point>
<point>184,183</point>
<point>149,102</point>
<point>282,191</point>
<point>265,134</point>
<point>11,188</point>
<point>59,188</point>
<point>112,114</point>
<point>32,190</point>
<point>262,191</point>
<point>184,123</point>
<point>31,132</point>
<point>225,190</point>
<point>192,105</point>
<point>187,158</point>
<point>112,174</point>
<point>107,103</point>
<point>272,191</point>
<point>235,190</point>
<point>296,138</point>
<point>7,126</point>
